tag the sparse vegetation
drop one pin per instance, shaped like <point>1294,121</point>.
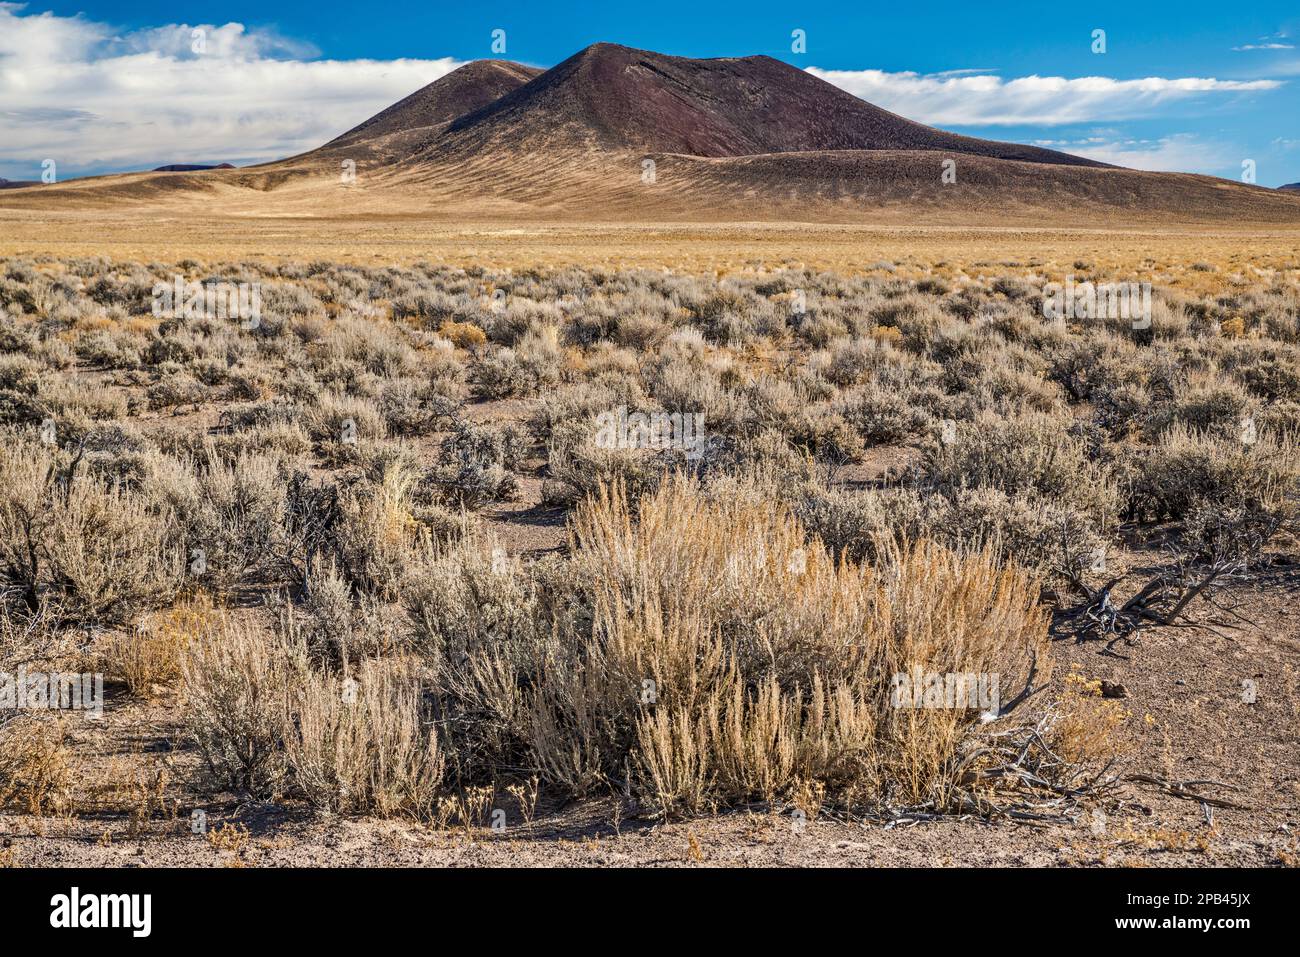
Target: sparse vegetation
<point>388,561</point>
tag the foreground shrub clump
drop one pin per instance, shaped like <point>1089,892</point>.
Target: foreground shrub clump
<point>772,663</point>
<point>697,650</point>
<point>78,546</point>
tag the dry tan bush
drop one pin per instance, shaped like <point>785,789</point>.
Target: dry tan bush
<point>339,627</point>
<point>138,786</point>
<point>772,662</point>
<point>1085,367</point>
<point>91,550</point>
<point>267,724</point>
<point>150,653</point>
<point>534,363</point>
<point>849,362</point>
<point>377,346</point>
<point>1267,370</point>
<point>467,597</point>
<point>592,689</point>
<point>577,466</point>
<point>478,464</point>
<point>884,416</point>
<point>641,332</point>
<point>855,524</point>
<point>1086,729</point>
<point>476,620</point>
<point>71,401</point>
<point>691,385</point>
<point>176,389</point>
<point>675,768</point>
<point>575,407</point>
<point>730,556</point>
<point>464,335</point>
<point>1040,534</point>
<point>948,613</point>
<point>917,317</point>
<point>1206,404</point>
<point>23,638</point>
<point>232,512</point>
<point>1009,381</point>
<point>765,745</point>
<point>509,326</point>
<point>1186,470</point>
<point>852,523</point>
<point>366,745</point>
<point>411,407</point>
<point>446,373</point>
<point>766,460</point>
<point>36,765</point>
<point>239,686</point>
<point>378,535</point>
<point>327,422</point>
<point>498,374</point>
<point>275,439</point>
<point>1033,453</point>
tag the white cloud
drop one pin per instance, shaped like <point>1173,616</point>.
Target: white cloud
<point>1028,100</point>
<point>1274,41</point>
<point>967,72</point>
<point>1179,153</point>
<point>88,97</point>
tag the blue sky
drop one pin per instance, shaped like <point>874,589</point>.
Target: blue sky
<point>101,86</point>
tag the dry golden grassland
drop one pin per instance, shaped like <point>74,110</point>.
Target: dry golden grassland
<point>367,555</point>
<point>171,233</point>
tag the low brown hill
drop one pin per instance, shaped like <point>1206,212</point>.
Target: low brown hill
<point>848,186</point>
<point>613,97</point>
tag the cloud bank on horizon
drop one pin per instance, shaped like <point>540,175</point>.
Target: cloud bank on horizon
<point>1030,100</point>
<point>97,99</point>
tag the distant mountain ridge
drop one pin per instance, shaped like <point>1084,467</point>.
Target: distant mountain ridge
<point>188,168</point>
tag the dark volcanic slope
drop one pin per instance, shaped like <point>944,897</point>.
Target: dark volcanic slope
<point>406,124</point>
<point>1292,186</point>
<point>615,98</point>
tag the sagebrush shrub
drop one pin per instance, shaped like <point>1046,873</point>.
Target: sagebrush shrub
<point>239,685</point>
<point>1034,453</point>
<point>1186,470</point>
<point>366,744</point>
<point>79,547</point>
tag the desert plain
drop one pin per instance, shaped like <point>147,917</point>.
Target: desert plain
<point>368,583</point>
